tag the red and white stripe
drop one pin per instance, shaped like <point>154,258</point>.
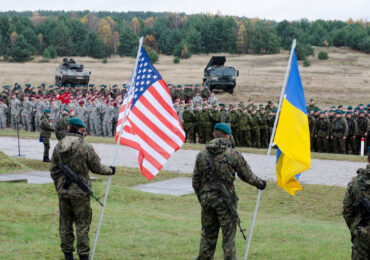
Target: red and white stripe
<point>152,127</point>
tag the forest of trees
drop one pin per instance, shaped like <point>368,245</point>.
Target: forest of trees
<point>101,34</point>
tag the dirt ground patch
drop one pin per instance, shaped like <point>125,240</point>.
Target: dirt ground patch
<point>342,79</point>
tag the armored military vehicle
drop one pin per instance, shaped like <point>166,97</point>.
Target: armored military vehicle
<point>69,72</point>
<point>217,76</point>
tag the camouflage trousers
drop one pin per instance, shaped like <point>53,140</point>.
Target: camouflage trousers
<point>46,143</point>
<point>189,131</point>
<point>322,144</point>
<point>204,133</point>
<point>3,122</point>
<point>245,138</point>
<point>212,219</point>
<point>75,211</point>
<point>351,145</point>
<point>339,144</point>
<point>264,135</point>
<point>361,245</point>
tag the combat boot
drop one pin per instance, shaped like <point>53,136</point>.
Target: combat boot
<point>46,159</point>
<point>84,257</point>
<point>69,256</point>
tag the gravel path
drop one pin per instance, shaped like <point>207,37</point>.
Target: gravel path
<point>326,172</point>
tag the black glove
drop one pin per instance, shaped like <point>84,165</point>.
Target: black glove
<point>263,185</point>
<point>113,169</point>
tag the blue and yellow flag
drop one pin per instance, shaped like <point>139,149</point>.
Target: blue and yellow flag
<point>292,134</point>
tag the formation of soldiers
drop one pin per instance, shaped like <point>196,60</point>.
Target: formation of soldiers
<point>97,108</point>
<point>337,130</point>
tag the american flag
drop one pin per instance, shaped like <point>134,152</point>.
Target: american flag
<point>151,126</point>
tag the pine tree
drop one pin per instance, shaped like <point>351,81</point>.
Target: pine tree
<point>21,50</point>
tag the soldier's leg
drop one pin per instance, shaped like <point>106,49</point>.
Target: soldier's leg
<point>14,122</point>
<point>105,130</point>
<point>82,220</point>
<point>210,228</point>
<point>92,128</point>
<point>66,225</point>
<point>46,142</point>
<point>228,227</point>
<point>3,122</point>
<point>342,145</point>
<point>248,139</point>
<point>325,144</point>
<point>335,145</point>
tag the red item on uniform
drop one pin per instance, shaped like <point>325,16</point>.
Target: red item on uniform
<point>64,98</point>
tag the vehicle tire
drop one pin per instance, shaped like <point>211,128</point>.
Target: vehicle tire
<point>210,88</point>
<point>231,90</point>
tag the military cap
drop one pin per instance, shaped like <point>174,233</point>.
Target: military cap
<point>340,106</point>
<point>81,102</point>
<point>214,105</point>
<point>1,100</point>
<point>223,127</point>
<point>115,85</point>
<point>274,111</point>
<point>47,111</point>
<point>349,113</point>
<point>317,110</point>
<point>222,105</point>
<point>368,105</point>
<point>4,92</point>
<point>311,99</point>
<point>179,86</point>
<point>91,85</point>
<point>197,85</point>
<point>349,107</point>
<point>360,105</point>
<point>42,84</point>
<point>77,122</point>
<point>66,109</point>
<point>333,107</point>
<point>322,112</point>
<point>338,112</point>
<point>362,112</point>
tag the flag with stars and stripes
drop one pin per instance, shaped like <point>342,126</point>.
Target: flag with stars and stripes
<point>151,125</point>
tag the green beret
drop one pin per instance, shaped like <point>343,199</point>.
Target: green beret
<point>340,106</point>
<point>317,110</point>
<point>222,104</point>
<point>333,107</point>
<point>224,128</point>
<point>47,111</point>
<point>362,112</point>
<point>360,105</point>
<point>76,121</point>
<point>322,112</point>
<point>349,107</point>
<point>66,109</point>
<point>338,112</point>
<point>349,113</point>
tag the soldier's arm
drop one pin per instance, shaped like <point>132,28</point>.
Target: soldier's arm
<point>94,162</point>
<point>348,210</point>
<point>54,165</point>
<point>46,126</point>
<point>345,128</point>
<point>245,172</point>
<point>197,175</point>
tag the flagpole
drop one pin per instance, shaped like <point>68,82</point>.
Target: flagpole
<point>269,149</point>
<point>117,146</point>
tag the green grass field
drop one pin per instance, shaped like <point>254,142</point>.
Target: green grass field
<point>140,225</point>
<point>10,164</point>
<point>189,146</point>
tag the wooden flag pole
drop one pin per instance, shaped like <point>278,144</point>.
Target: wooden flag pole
<point>131,87</point>
<point>269,150</point>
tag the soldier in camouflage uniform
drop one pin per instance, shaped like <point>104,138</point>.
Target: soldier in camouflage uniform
<point>188,124</point>
<point>45,133</point>
<point>339,133</point>
<point>15,111</point>
<point>321,133</point>
<point>235,124</point>
<point>255,129</point>
<point>61,127</point>
<point>74,203</point>
<point>215,169</point>
<point>245,129</point>
<point>204,125</point>
<point>356,217</point>
<point>363,124</point>
<point>225,115</point>
<point>38,110</point>
<point>108,119</point>
<point>3,114</point>
<point>352,132</point>
<point>264,128</point>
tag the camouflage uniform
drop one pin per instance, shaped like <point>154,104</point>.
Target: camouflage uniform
<point>255,131</point>
<point>363,124</point>
<point>188,124</point>
<point>61,127</point>
<point>15,110</point>
<point>3,115</point>
<point>264,130</point>
<point>351,139</point>
<point>204,126</point>
<point>235,127</point>
<point>322,134</point>
<point>215,212</point>
<point>74,203</point>
<point>359,187</point>
<point>245,130</point>
<point>45,133</point>
<point>339,131</point>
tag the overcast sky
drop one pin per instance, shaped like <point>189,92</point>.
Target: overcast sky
<point>268,9</point>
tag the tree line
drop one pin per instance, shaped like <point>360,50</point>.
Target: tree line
<point>101,34</point>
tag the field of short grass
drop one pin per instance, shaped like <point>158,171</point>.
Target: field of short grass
<point>342,79</point>
<point>140,225</point>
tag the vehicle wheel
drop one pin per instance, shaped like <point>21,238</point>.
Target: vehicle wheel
<point>231,91</point>
<point>211,88</point>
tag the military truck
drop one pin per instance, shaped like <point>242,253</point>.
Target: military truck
<point>217,76</point>
<point>69,72</point>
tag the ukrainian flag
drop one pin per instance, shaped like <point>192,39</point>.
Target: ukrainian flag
<point>292,134</point>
